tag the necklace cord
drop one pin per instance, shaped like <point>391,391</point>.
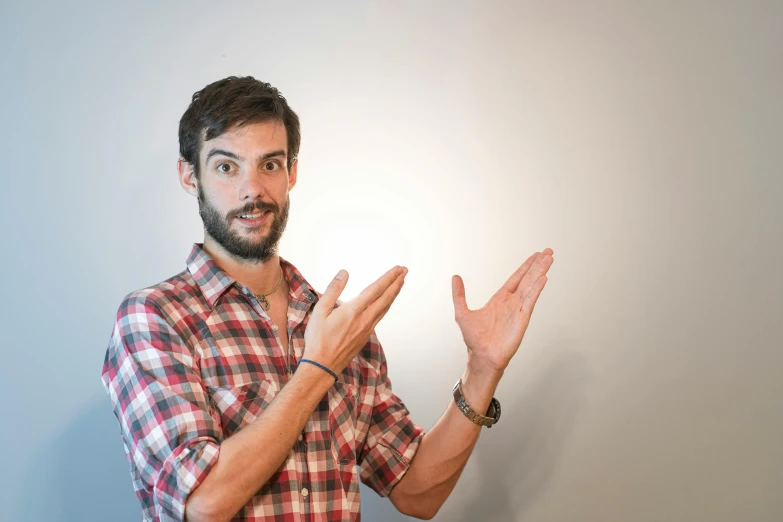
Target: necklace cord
<point>262,297</point>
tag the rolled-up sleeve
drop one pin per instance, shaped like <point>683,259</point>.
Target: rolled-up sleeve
<point>171,432</point>
<point>392,438</point>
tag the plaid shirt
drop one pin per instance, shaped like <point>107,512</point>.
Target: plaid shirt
<point>195,358</point>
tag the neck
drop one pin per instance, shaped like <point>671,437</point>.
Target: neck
<point>259,276</point>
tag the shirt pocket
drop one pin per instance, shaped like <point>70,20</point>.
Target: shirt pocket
<point>238,406</point>
<point>343,410</point>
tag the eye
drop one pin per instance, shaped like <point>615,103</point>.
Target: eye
<point>221,166</point>
<point>270,165</point>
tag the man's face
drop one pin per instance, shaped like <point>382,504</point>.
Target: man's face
<point>243,172</point>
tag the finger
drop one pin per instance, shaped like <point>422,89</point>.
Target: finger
<point>379,308</point>
<point>539,268</point>
<point>513,282</point>
<point>532,296</point>
<point>458,296</point>
<point>383,312</point>
<point>373,292</point>
<point>333,291</point>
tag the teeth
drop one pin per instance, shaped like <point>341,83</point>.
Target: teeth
<point>252,216</point>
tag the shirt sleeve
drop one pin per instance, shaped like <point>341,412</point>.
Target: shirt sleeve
<point>171,432</point>
<point>392,438</point>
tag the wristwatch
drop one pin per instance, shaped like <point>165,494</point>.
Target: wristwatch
<point>493,412</point>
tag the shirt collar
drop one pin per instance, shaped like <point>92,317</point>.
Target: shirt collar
<point>213,281</point>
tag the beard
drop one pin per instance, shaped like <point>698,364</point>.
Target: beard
<point>254,247</point>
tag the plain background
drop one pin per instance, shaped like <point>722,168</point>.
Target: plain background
<point>640,140</point>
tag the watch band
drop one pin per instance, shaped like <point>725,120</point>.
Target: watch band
<point>493,412</point>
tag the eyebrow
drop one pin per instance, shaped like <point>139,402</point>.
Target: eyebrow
<point>229,154</point>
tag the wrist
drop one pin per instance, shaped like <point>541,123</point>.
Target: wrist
<point>480,370</point>
<point>318,365</point>
<point>314,376</point>
<point>479,382</point>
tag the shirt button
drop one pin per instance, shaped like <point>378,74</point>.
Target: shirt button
<point>305,492</point>
<point>300,438</point>
<point>274,327</point>
<point>356,392</point>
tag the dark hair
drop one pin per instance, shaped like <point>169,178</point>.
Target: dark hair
<point>234,101</point>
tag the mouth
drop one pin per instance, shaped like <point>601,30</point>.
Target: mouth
<point>254,219</point>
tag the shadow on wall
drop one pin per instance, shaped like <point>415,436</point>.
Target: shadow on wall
<point>82,475</point>
<point>514,466</point>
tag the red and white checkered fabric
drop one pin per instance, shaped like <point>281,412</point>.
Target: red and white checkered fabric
<point>192,360</point>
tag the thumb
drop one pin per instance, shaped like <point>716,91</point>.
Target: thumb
<point>458,295</point>
<point>333,291</point>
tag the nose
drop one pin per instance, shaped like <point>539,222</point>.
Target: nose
<point>252,187</point>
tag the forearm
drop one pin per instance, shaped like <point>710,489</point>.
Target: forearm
<point>249,457</point>
<point>444,450</point>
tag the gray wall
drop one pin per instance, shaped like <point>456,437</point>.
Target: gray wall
<point>640,140</point>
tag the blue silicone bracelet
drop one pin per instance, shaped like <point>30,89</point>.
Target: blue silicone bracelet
<point>319,365</point>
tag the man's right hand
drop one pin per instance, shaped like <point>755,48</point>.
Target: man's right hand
<point>334,336</point>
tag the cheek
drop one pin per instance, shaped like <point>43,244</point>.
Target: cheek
<point>223,199</point>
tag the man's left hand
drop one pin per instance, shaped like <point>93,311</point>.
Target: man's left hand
<point>494,332</point>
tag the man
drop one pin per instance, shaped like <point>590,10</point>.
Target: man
<point>243,393</point>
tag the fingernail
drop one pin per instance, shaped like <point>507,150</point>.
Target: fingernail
<point>341,274</point>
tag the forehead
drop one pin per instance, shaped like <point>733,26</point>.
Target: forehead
<point>250,138</point>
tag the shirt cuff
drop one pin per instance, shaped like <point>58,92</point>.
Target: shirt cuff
<point>388,461</point>
<point>182,471</point>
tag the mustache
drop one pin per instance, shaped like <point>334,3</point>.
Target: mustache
<point>262,207</point>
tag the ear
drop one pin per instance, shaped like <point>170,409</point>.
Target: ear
<point>292,174</point>
<point>187,177</point>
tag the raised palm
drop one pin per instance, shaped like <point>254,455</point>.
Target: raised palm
<point>494,332</point>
